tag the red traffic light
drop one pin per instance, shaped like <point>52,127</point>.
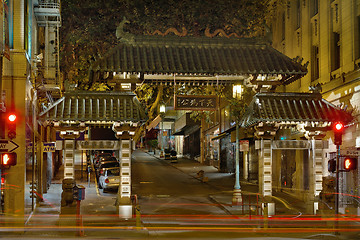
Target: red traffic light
<point>11,125</point>
<point>339,126</point>
<point>12,117</point>
<point>350,163</point>
<point>8,159</point>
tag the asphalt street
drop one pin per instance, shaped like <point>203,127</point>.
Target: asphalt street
<point>175,202</point>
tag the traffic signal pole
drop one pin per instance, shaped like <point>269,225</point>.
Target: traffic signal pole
<point>337,182</point>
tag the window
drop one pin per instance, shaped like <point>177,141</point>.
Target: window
<point>298,14</point>
<point>283,26</point>
<point>314,7</point>
<point>335,51</point>
<point>315,63</point>
<point>357,38</point>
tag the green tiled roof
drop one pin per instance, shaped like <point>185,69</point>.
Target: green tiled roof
<point>200,56</point>
<point>292,107</point>
<point>95,107</point>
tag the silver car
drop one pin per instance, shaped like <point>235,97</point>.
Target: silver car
<point>110,178</point>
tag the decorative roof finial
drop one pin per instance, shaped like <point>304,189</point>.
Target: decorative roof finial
<point>120,33</point>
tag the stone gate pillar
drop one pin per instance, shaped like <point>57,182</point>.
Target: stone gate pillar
<point>316,172</point>
<point>69,154</point>
<point>265,172</point>
<point>125,171</point>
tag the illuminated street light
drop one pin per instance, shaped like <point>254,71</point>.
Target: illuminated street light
<point>162,108</point>
<point>237,94</point>
<point>162,113</point>
<point>237,91</point>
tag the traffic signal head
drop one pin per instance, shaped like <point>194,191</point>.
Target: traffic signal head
<point>8,159</point>
<point>11,124</point>
<point>332,165</point>
<point>350,163</point>
<point>338,129</point>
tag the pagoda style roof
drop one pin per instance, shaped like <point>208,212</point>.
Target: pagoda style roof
<point>197,57</point>
<point>293,108</point>
<point>103,108</point>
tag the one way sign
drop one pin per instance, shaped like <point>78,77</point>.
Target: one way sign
<point>7,146</point>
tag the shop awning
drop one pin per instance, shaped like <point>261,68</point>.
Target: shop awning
<point>102,108</point>
<point>292,108</point>
<point>196,57</point>
<point>220,136</point>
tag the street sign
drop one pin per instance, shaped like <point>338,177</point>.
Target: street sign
<point>244,145</point>
<point>349,152</point>
<point>7,146</point>
<point>49,147</point>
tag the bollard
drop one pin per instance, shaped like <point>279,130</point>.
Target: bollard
<point>79,222</point>
<point>89,174</point>
<point>266,212</point>
<point>138,217</point>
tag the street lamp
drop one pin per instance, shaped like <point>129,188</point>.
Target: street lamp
<point>162,113</point>
<point>237,94</point>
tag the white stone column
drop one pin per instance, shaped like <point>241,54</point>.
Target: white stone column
<point>265,168</point>
<point>265,173</point>
<point>316,171</point>
<point>69,148</point>
<point>125,171</point>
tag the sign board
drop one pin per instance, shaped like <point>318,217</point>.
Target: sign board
<point>244,145</point>
<point>291,144</point>
<point>349,152</point>
<point>49,147</point>
<point>7,146</point>
<point>98,145</point>
<point>194,102</point>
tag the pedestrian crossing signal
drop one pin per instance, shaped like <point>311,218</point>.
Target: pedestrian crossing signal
<point>350,163</point>
<point>8,159</point>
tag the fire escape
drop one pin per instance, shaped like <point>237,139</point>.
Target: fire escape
<point>48,17</point>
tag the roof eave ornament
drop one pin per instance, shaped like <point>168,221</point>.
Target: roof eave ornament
<point>121,34</point>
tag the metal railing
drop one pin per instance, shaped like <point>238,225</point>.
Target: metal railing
<point>49,4</point>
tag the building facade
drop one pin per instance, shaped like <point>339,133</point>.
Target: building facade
<point>30,52</point>
<point>326,35</point>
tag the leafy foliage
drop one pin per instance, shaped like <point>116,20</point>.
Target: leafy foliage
<point>88,32</point>
<point>88,27</point>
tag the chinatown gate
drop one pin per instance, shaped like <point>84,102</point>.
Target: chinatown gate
<point>208,61</point>
<point>77,112</point>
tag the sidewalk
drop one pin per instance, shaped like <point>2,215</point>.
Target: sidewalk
<point>285,204</point>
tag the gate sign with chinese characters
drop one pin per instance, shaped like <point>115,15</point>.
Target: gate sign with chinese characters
<point>192,102</point>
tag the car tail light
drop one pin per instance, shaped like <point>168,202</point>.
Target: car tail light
<point>106,180</point>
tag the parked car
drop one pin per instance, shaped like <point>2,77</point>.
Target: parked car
<point>100,156</point>
<point>110,179</point>
<point>110,163</point>
<point>103,160</point>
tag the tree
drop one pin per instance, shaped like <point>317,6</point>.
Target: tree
<point>88,27</point>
